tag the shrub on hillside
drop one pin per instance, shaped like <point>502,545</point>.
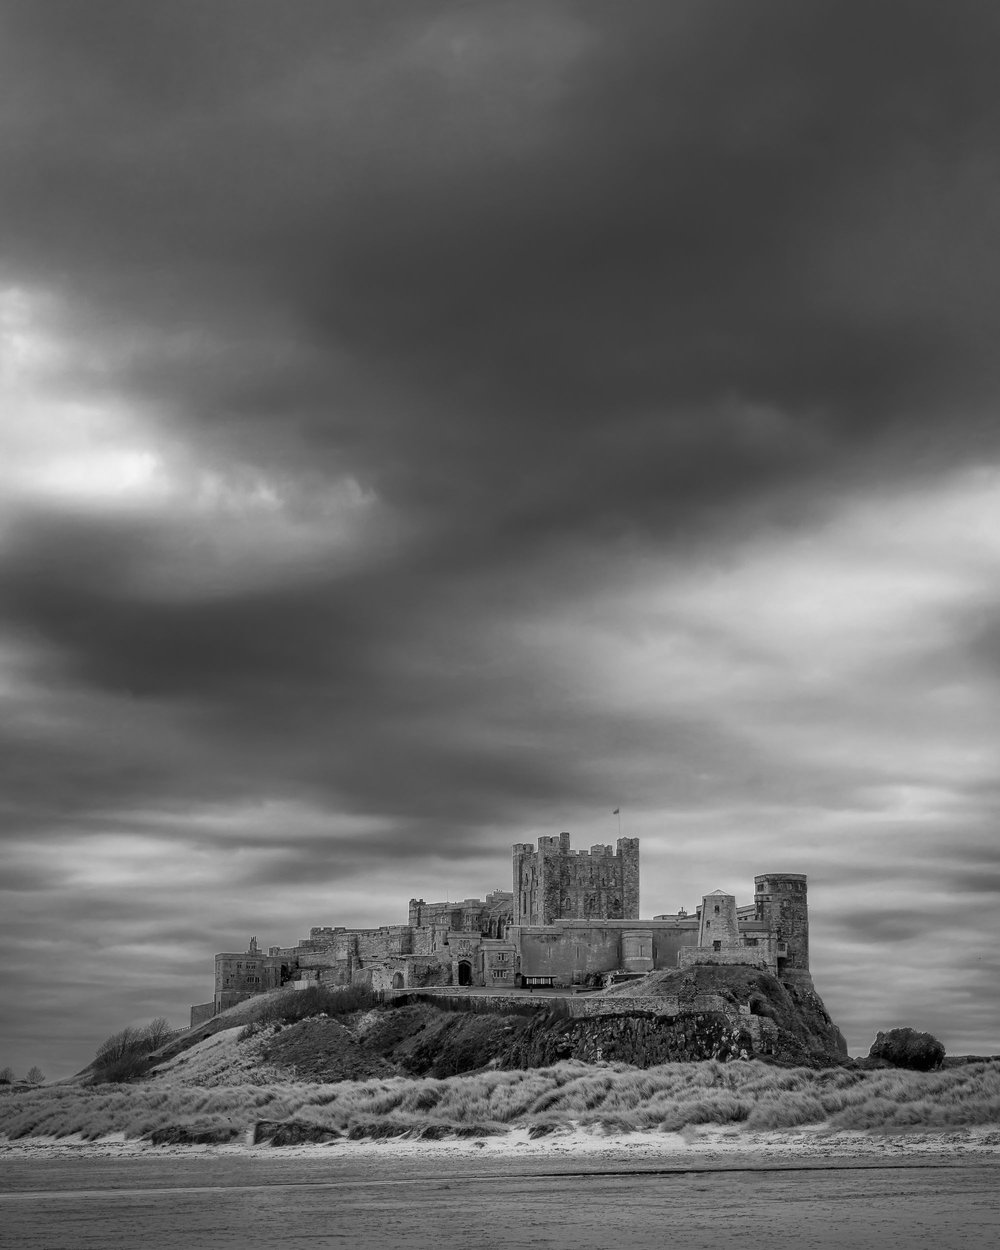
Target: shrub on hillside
<point>157,1033</point>
<point>120,1056</point>
<point>125,1055</point>
<point>906,1048</point>
<point>316,1000</point>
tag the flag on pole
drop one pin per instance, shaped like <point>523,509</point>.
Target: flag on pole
<point>615,812</point>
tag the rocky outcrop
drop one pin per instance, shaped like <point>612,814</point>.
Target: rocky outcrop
<point>291,1132</point>
<point>194,1134</point>
<point>906,1048</point>
<point>786,1016</point>
<point>641,1039</point>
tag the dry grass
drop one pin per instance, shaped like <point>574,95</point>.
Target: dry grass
<point>667,1098</point>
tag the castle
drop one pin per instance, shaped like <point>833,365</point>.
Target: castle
<point>571,919</point>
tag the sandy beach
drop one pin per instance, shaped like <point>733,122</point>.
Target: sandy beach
<point>695,1147</point>
<point>579,1189</point>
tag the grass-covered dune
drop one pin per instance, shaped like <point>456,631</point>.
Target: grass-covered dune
<point>617,1098</point>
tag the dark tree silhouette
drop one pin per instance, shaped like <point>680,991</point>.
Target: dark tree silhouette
<point>125,1054</point>
<point>157,1033</point>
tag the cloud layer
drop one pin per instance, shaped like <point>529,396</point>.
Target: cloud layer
<point>427,427</point>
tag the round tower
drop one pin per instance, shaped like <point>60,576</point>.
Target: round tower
<point>780,900</point>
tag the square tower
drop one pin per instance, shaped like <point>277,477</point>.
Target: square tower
<point>556,883</point>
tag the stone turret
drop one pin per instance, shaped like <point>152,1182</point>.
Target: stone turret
<point>718,927</point>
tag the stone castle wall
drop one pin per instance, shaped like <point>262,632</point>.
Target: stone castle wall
<point>201,1012</point>
<point>571,951</point>
<point>735,955</point>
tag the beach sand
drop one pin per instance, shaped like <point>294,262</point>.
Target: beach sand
<point>571,1190</point>
<point>706,1145</point>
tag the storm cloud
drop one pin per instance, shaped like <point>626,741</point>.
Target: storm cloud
<point>428,426</point>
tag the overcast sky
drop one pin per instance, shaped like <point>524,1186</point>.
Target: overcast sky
<point>427,426</point>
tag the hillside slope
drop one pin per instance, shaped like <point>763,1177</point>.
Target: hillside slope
<point>424,1038</point>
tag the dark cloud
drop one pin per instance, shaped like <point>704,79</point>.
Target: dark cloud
<point>702,213</point>
<point>885,926</point>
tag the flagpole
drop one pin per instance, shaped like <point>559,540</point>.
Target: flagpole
<point>618,812</point>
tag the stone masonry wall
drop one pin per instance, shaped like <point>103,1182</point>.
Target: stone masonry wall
<point>571,950</point>
<point>570,955</point>
<point>670,940</point>
<point>586,1006</point>
<point>201,1012</point>
<point>747,956</point>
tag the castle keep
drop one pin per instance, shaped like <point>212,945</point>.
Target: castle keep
<point>571,919</point>
<point>555,883</point>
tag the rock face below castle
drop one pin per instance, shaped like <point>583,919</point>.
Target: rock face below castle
<point>571,919</point>
<point>783,1016</point>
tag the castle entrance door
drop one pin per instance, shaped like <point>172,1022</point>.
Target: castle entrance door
<point>464,972</point>
<point>397,980</point>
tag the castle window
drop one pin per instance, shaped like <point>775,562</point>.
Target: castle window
<point>717,946</point>
<point>716,908</point>
<point>708,924</point>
